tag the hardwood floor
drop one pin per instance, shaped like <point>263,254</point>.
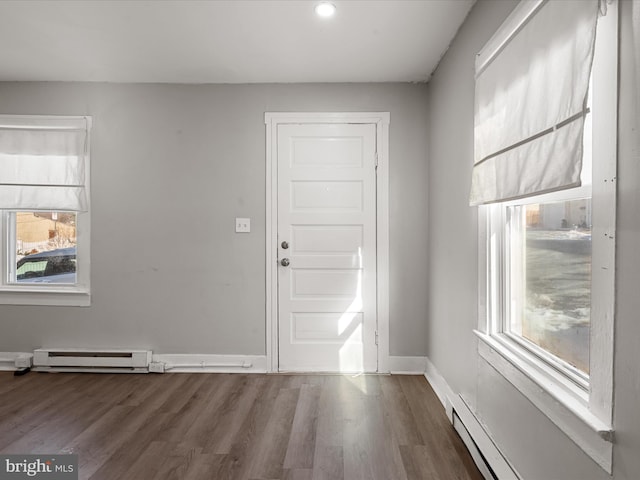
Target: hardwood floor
<point>234,426</point>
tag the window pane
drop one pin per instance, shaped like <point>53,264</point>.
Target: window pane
<point>45,247</point>
<point>554,265</point>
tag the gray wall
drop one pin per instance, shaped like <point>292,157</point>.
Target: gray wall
<point>172,165</point>
<point>538,449</point>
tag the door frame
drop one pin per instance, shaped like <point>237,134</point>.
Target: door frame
<point>381,120</point>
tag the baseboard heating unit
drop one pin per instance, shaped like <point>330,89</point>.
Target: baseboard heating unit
<point>490,461</point>
<point>91,360</point>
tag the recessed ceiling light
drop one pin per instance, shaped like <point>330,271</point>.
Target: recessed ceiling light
<point>325,9</point>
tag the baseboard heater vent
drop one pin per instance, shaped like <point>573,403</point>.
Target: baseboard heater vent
<point>479,459</point>
<point>486,455</point>
<point>88,360</point>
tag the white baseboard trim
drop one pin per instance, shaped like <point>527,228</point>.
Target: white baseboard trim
<point>474,434</point>
<point>407,365</point>
<point>12,361</point>
<point>439,385</point>
<point>205,363</point>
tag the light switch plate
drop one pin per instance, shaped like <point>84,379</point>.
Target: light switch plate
<point>243,225</point>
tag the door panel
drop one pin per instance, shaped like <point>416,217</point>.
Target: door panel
<point>334,152</point>
<point>326,197</point>
<point>322,327</point>
<point>324,283</point>
<point>326,214</point>
<point>326,239</point>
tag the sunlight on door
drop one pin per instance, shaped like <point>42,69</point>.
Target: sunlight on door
<point>350,330</point>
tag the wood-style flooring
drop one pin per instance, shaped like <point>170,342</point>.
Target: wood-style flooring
<point>234,426</point>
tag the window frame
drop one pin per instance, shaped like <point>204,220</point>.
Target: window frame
<point>78,294</point>
<point>503,317</point>
<point>582,410</point>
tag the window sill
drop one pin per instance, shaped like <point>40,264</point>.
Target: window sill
<point>565,404</point>
<point>63,297</point>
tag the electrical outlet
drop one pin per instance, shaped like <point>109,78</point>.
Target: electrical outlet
<point>243,225</point>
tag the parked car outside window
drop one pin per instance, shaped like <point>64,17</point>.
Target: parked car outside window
<point>54,266</point>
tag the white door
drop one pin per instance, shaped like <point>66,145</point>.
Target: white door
<point>327,247</point>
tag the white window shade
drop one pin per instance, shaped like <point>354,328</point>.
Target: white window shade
<point>42,163</point>
<point>532,81</point>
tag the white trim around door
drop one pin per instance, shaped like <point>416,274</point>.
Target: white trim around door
<point>381,120</point>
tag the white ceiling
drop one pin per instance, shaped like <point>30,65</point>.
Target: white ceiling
<point>242,41</point>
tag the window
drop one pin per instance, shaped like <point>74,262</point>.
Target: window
<point>547,213</point>
<point>548,252</point>
<point>46,245</point>
<point>44,206</point>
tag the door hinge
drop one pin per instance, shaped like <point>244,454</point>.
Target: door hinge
<point>376,332</point>
<point>376,159</point>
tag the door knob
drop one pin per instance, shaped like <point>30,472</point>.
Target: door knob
<point>284,245</point>
<point>284,262</point>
